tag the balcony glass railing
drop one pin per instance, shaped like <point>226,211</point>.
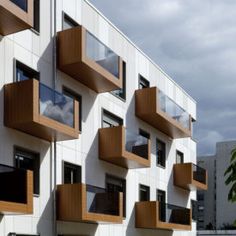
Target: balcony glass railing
<point>173,110</point>
<point>199,174</point>
<point>100,201</point>
<point>21,3</point>
<point>56,106</point>
<point>173,214</point>
<point>102,55</point>
<point>136,144</point>
<point>13,184</point>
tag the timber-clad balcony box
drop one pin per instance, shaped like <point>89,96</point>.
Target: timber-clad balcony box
<point>119,146</point>
<point>159,215</point>
<point>16,194</point>
<point>190,176</point>
<point>86,59</point>
<point>16,15</point>
<point>158,110</point>
<point>36,109</point>
<point>85,203</point>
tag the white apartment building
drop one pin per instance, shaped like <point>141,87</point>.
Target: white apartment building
<point>95,138</point>
<point>215,209</point>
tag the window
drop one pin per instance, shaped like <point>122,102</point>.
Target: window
<point>23,72</point>
<point>161,153</point>
<point>68,22</point>
<point>22,4</point>
<point>115,184</point>
<point>143,83</point>
<point>78,98</point>
<point>110,120</point>
<point>200,208</point>
<point>200,196</point>
<point>72,173</point>
<point>37,15</point>
<point>28,160</point>
<point>144,133</point>
<point>144,193</point>
<point>122,92</point>
<point>194,209</point>
<point>161,198</point>
<point>179,157</point>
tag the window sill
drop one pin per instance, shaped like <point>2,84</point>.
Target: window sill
<point>122,99</point>
<point>36,195</point>
<point>35,31</point>
<point>158,165</point>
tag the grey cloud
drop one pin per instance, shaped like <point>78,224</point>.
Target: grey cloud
<point>194,42</point>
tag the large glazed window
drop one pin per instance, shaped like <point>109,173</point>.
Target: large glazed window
<point>102,55</point>
<point>173,110</point>
<point>21,3</point>
<point>56,106</point>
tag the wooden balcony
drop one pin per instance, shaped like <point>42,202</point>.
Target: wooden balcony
<point>158,110</point>
<point>83,57</point>
<point>35,109</point>
<point>85,203</point>
<point>120,147</point>
<point>156,215</point>
<point>190,177</point>
<point>16,195</point>
<point>16,15</point>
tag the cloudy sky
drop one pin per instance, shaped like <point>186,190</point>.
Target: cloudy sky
<point>194,41</point>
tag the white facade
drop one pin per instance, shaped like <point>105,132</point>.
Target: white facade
<point>36,51</point>
<point>217,209</point>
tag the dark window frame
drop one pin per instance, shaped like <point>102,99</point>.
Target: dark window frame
<point>29,154</point>
<point>162,162</point>
<point>27,69</point>
<point>69,19</point>
<point>71,165</point>
<point>144,134</point>
<point>36,27</point>
<point>70,93</point>
<point>125,189</point>
<point>123,90</point>
<point>182,157</point>
<point>144,80</point>
<point>147,188</point>
<point>113,116</point>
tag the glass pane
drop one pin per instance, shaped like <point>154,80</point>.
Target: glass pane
<point>173,110</point>
<point>136,144</point>
<point>102,55</point>
<point>199,174</point>
<point>13,184</point>
<point>174,214</point>
<point>102,202</point>
<point>56,106</point>
<point>21,3</point>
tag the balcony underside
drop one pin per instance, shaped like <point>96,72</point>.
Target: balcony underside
<point>72,206</point>
<point>183,178</point>
<point>21,112</point>
<point>13,19</point>
<point>112,149</point>
<point>73,61</point>
<point>147,216</point>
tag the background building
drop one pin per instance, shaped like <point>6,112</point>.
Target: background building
<point>104,148</point>
<point>213,205</point>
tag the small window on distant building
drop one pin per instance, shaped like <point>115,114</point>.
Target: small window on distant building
<point>72,173</point>
<point>28,160</point>
<point>144,193</point>
<point>161,153</point>
<point>37,15</point>
<point>110,120</point>
<point>179,157</point>
<point>24,72</point>
<point>122,92</point>
<point>68,22</point>
<point>78,98</point>
<point>143,83</point>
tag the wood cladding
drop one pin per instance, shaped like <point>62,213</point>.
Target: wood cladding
<point>72,206</point>
<point>147,216</point>
<point>21,112</point>
<point>148,110</point>
<point>13,19</point>
<point>184,177</point>
<point>73,61</point>
<point>20,208</point>
<point>112,149</point>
